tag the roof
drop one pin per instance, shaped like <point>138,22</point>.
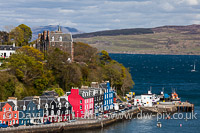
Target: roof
<point>50,93</point>
<point>21,103</point>
<point>4,103</point>
<point>137,97</point>
<point>65,37</point>
<point>8,47</point>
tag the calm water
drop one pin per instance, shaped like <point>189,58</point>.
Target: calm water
<point>158,71</point>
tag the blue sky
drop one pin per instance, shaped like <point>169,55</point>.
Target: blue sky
<point>95,15</point>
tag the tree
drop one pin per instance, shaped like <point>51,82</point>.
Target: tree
<point>83,52</point>
<point>16,35</point>
<point>7,85</point>
<point>26,32</point>
<point>29,67</point>
<point>4,37</point>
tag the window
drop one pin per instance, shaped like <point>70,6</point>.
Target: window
<point>33,108</point>
<point>4,109</point>
<point>15,115</point>
<point>3,116</point>
<point>29,108</point>
<point>9,115</point>
<point>80,101</point>
<point>10,122</point>
<point>52,38</point>
<point>0,122</point>
<point>3,122</point>
<point>60,38</point>
<point>16,121</point>
<point>52,107</point>
<point>13,121</point>
<point>81,107</point>
<point>67,111</point>
<point>9,109</point>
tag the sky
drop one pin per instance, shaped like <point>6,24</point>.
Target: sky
<point>97,15</point>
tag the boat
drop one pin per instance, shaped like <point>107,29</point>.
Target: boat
<point>194,69</point>
<point>175,96</point>
<point>159,124</point>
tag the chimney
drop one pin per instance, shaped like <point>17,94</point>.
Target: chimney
<point>48,35</point>
<point>13,44</point>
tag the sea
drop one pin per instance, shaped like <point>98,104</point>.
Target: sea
<point>171,72</point>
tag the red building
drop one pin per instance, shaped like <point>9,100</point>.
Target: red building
<point>8,113</point>
<point>82,102</point>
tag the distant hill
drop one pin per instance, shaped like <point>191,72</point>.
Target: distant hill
<point>39,29</point>
<point>135,31</point>
<point>160,40</point>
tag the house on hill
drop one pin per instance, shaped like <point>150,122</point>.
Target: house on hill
<point>7,50</point>
<point>57,39</point>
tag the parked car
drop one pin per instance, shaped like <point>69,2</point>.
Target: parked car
<point>47,122</point>
<point>73,120</point>
<point>29,124</point>
<point>126,109</point>
<point>3,125</point>
<point>15,125</point>
<point>121,106</point>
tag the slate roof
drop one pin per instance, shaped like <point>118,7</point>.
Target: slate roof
<point>65,37</point>
<point>21,103</point>
<point>4,103</point>
<point>8,47</point>
<point>50,93</point>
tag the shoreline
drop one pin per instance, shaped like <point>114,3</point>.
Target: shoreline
<point>60,127</point>
<point>131,53</point>
<point>84,124</point>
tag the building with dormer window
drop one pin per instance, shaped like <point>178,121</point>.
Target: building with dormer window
<point>82,102</point>
<point>57,39</point>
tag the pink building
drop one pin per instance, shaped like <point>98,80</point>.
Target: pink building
<point>82,102</point>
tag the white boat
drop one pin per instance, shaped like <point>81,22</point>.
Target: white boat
<point>194,70</point>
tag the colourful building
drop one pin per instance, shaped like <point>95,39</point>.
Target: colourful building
<point>108,96</point>
<point>8,113</point>
<point>82,102</point>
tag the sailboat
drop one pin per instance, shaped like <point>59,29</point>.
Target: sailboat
<point>194,70</point>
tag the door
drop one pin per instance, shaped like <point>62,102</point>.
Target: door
<point>4,54</point>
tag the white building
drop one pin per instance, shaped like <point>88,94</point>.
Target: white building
<point>146,100</point>
<point>7,50</point>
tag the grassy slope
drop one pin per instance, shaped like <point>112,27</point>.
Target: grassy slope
<point>165,41</point>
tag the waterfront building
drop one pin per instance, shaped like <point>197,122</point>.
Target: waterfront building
<point>56,109</point>
<point>82,102</point>
<point>146,100</point>
<point>8,113</point>
<point>98,99</point>
<point>108,96</point>
<point>29,112</point>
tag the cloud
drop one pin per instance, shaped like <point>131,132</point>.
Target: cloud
<point>93,15</point>
<point>192,2</point>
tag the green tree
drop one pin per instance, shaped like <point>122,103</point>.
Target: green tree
<point>27,64</point>
<point>7,85</point>
<point>26,32</point>
<point>59,91</point>
<point>17,36</point>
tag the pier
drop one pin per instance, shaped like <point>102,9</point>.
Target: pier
<point>185,107</point>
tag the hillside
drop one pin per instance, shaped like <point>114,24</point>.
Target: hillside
<point>162,40</point>
<point>39,29</point>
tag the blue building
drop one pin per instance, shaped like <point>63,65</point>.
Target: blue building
<point>108,97</point>
<point>29,112</point>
